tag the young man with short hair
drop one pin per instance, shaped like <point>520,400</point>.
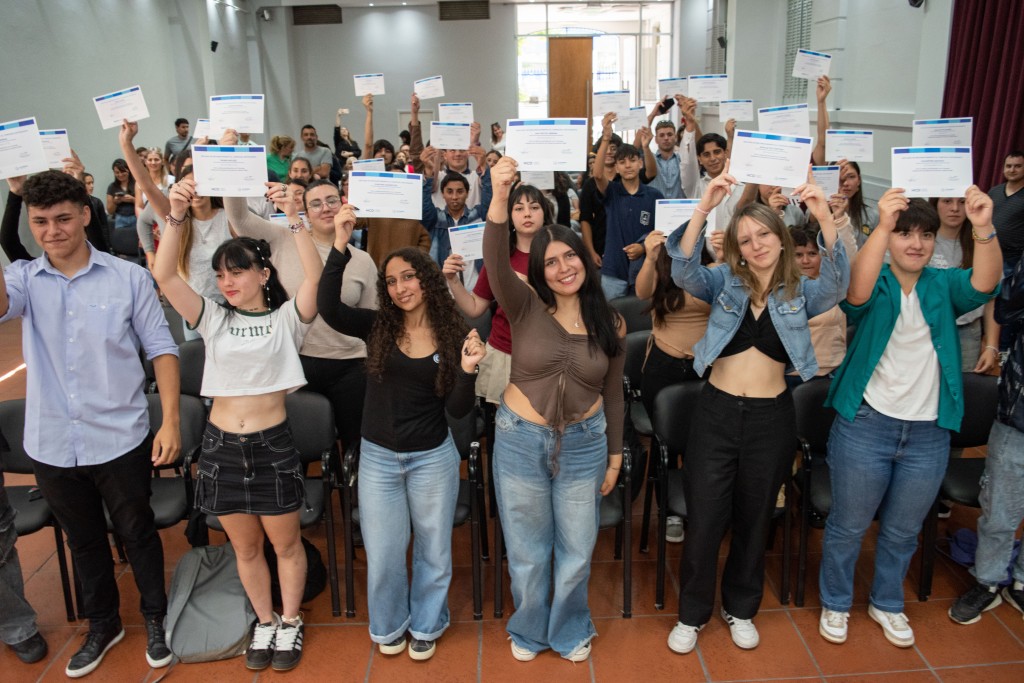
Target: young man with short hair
<point>84,316</point>
<point>318,157</point>
<point>1008,207</point>
<point>179,143</point>
<point>668,181</point>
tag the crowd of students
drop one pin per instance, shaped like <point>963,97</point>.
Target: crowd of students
<point>373,311</point>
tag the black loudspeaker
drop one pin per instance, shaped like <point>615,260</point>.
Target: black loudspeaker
<point>916,3</point>
<point>213,45</point>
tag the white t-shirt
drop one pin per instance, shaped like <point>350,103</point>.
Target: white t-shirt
<point>248,354</point>
<point>905,383</point>
<point>207,236</point>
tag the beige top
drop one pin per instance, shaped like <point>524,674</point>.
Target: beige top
<point>681,329</point>
<point>828,337</point>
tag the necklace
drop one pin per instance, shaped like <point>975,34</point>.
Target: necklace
<point>577,323</point>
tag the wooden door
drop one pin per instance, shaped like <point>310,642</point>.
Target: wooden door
<point>570,76</point>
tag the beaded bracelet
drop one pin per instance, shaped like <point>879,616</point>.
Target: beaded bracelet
<point>295,227</point>
<point>983,240</point>
<point>171,220</point>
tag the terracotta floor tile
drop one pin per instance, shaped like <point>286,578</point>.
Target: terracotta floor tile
<point>865,651</point>
<point>781,652</point>
<point>497,663</point>
<point>43,592</point>
<point>945,643</point>
<point>894,677</point>
<point>996,673</point>
<point>57,637</point>
<point>1010,618</point>
<point>630,649</point>
<point>457,655</point>
<point>331,653</point>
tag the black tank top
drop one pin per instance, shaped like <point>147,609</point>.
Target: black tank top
<point>758,333</point>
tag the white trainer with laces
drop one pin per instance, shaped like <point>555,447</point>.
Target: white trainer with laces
<point>743,631</point>
<point>832,625</point>
<point>894,625</point>
<point>683,638</point>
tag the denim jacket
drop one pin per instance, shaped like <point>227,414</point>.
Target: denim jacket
<point>1010,314</point>
<point>729,300</point>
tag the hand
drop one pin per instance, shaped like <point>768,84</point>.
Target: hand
<point>166,444</point>
<point>344,224</point>
<point>429,158</point>
<point>180,196</point>
<point>812,195</point>
<point>414,105</point>
<point>278,194</point>
<point>503,174</point>
<point>987,361</point>
<point>718,190</point>
<point>730,127</point>
<point>644,136</point>
<point>453,265</point>
<point>890,206</point>
<point>688,107</point>
<point>368,103</point>
<point>15,184</point>
<point>777,201</point>
<point>479,153</point>
<point>474,133</point>
<point>230,137</point>
<point>74,167</point>
<point>633,251</point>
<point>127,133</point>
<point>979,210</point>
<point>717,241</point>
<point>337,117</point>
<point>653,242</point>
<point>473,351</point>
<point>596,257</point>
<point>611,475</point>
<point>606,125</point>
<point>824,88</point>
<point>839,204</point>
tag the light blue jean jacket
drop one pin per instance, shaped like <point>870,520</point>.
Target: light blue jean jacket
<point>729,300</point>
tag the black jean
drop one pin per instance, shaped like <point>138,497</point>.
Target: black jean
<point>662,370</point>
<point>343,382</point>
<point>736,459</point>
<point>77,495</point>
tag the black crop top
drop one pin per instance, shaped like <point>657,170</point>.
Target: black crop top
<point>758,333</point>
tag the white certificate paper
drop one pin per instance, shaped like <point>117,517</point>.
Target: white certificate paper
<point>114,107</point>
<point>770,159</point>
<point>669,214</point>
<point>455,112</point>
<point>56,146</point>
<point>792,119</point>
<point>547,144</point>
<point>671,87</point>
<point>852,145</point>
<point>827,178</point>
<point>369,165</point>
<point>468,241</point>
<point>615,101</point>
<point>243,113</point>
<point>811,65</point>
<point>943,133</point>
<point>449,135</point>
<point>386,195</point>
<point>429,88</point>
<point>932,171</point>
<point>369,84</point>
<point>542,180</point>
<point>631,119</point>
<point>223,171</point>
<point>741,110</point>
<point>202,129</point>
<point>21,149</point>
<point>708,87</point>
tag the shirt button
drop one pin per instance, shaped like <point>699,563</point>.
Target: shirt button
<point>74,422</point>
<point>71,312</point>
<point>71,339</point>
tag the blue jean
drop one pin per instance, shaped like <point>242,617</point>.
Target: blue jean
<point>613,287</point>
<point>878,463</point>
<point>17,618</point>
<point>1002,506</point>
<point>544,516</point>
<point>395,489</point>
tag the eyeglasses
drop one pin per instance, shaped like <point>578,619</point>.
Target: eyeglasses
<point>316,205</point>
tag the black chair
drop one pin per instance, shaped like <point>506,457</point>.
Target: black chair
<point>311,420</point>
<point>124,242</point>
<point>962,483</point>
<point>34,513</point>
<point>192,359</point>
<point>175,323</point>
<point>631,308</point>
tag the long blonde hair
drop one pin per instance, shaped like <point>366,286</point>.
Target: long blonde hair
<point>786,274</point>
<point>186,229</point>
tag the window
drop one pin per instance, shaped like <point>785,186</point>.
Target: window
<point>798,36</point>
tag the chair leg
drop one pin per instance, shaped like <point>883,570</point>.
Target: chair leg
<point>659,590</point>
<point>499,567</point>
<point>929,532</point>
<point>332,551</point>
<point>481,514</point>
<point>350,553</point>
<point>618,540</point>
<point>65,581</point>
<point>119,546</point>
<point>645,526</point>
<point>801,553</point>
<point>476,494</point>
<point>627,555</point>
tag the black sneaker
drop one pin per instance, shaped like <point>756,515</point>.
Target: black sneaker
<point>261,648</point>
<point>32,649</point>
<point>157,653</point>
<point>421,650</point>
<point>1014,597</point>
<point>968,607</point>
<point>288,645</point>
<point>394,647</point>
<point>91,653</point>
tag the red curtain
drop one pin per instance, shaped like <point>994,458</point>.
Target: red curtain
<point>985,79</point>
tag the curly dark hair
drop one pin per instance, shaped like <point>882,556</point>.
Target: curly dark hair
<point>49,188</point>
<point>449,327</point>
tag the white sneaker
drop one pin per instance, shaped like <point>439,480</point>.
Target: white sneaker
<point>683,638</point>
<point>521,653</point>
<point>894,625</point>
<point>832,625</point>
<point>743,631</point>
<point>580,654</point>
<point>674,529</point>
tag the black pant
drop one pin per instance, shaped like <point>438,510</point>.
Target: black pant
<point>662,370</point>
<point>736,459</point>
<point>77,495</point>
<point>343,382</point>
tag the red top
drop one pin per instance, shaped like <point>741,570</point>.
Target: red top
<point>501,333</point>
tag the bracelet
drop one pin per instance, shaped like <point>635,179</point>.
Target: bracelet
<point>171,220</point>
<point>614,468</point>
<point>993,349</point>
<point>983,240</point>
<point>295,227</point>
<point>706,213</point>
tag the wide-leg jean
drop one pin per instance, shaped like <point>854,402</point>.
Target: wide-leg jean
<point>1002,506</point>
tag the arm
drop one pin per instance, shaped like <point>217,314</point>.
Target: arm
<point>160,203</point>
<point>600,170</point>
<point>689,170</point>
<point>822,91</point>
<point>430,212</point>
<point>865,270</point>
<point>644,137</point>
<point>368,127</point>
<point>143,227</point>
<point>312,266</point>
<point>338,148</point>
<point>111,204</point>
<point>165,269</point>
<point>467,301</point>
<point>167,441</point>
<point>988,359</point>
<point>512,294</point>
<point>647,278</point>
<point>462,397</point>
<point>349,320</point>
<point>10,240</point>
<point>988,257</point>
<point>614,412</point>
<point>415,134</point>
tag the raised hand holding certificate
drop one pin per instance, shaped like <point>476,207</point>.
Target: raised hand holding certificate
<point>429,88</point>
<point>547,144</point>
<point>243,113</point>
<point>614,101</point>
<point>224,171</point>
<point>942,132</point>
<point>56,146</point>
<point>455,112</point>
<point>791,119</point>
<point>21,149</point>
<point>852,145</point>
<point>811,65</point>
<point>741,110</point>
<point>932,171</point>
<point>669,214</point>
<point>369,84</point>
<point>468,240</point>
<point>670,87</point>
<point>386,195</point>
<point>369,165</point>
<point>827,178</point>
<point>708,87</point>
<point>117,106</point>
<point>449,135</point>
<point>769,159</point>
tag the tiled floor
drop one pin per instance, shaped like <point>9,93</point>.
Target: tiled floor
<point>338,649</point>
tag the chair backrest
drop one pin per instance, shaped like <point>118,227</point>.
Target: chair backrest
<point>125,241</point>
<point>673,412</point>
<point>631,308</point>
<point>176,324</point>
<point>193,421</point>
<point>192,356</point>
<point>481,323</point>
<point>813,419</point>
<point>636,351</point>
<point>981,396</point>
<point>311,419</point>
<point>13,457</point>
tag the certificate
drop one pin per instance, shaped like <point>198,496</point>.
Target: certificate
<point>282,219</point>
<point>669,214</point>
<point>429,88</point>
<point>223,171</point>
<point>243,113</point>
<point>449,135</point>
<point>811,65</point>
<point>21,149</point>
<point>792,119</point>
<point>202,129</point>
<point>932,171</point>
<point>741,110</point>
<point>455,112</point>
<point>114,107</point>
<point>708,87</point>
<point>369,84</point>
<point>852,145</point>
<point>943,133</point>
<point>56,146</point>
<point>542,180</point>
<point>670,87</point>
<point>632,119</point>
<point>770,159</point>
<point>827,178</point>
<point>468,241</point>
<point>386,195</point>
<point>547,144</point>
<point>615,101</point>
<point>369,165</point>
